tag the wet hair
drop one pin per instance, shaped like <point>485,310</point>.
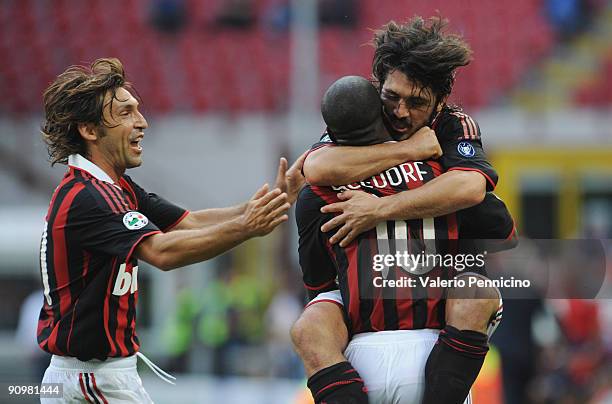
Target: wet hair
<point>77,97</point>
<point>422,51</point>
<point>351,108</point>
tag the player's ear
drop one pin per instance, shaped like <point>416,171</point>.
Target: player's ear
<point>88,131</point>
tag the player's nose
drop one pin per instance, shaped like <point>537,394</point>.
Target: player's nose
<point>401,111</point>
<point>141,122</point>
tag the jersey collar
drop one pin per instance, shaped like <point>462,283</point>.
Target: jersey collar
<point>80,162</point>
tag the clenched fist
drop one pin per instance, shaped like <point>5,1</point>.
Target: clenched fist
<point>424,144</point>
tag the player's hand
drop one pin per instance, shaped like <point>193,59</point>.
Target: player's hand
<point>264,211</point>
<point>291,181</point>
<point>358,212</point>
<point>423,145</point>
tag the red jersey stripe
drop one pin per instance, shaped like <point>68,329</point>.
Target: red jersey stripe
<point>403,300</point>
<point>319,287</point>
<point>352,275</point>
<point>126,186</point>
<point>67,178</point>
<point>477,170</point>
<point>472,126</point>
<point>129,256</point>
<point>173,225</point>
<point>52,340</point>
<point>122,321</point>
<point>60,254</point>
<point>377,318</point>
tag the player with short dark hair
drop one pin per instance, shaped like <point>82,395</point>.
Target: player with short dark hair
<point>417,312</point>
<point>414,64</point>
<point>100,222</point>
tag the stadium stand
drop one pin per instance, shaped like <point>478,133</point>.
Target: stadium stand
<point>204,68</point>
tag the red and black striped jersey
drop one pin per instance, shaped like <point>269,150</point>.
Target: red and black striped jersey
<point>368,308</point>
<point>89,272</point>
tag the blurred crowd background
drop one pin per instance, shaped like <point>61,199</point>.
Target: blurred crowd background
<point>229,86</point>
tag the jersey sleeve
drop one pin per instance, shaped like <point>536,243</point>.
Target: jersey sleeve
<point>489,221</point>
<point>99,227</point>
<point>459,138</point>
<point>318,269</point>
<point>164,214</point>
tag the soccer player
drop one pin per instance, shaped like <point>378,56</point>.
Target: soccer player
<point>351,108</point>
<point>100,222</point>
<point>415,65</point>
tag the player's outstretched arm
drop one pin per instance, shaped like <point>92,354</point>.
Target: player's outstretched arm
<point>359,212</point>
<point>208,217</point>
<point>264,211</point>
<point>347,164</point>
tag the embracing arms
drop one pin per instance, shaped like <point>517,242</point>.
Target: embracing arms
<point>339,165</point>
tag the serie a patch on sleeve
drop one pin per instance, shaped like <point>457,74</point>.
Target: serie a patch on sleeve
<point>135,220</point>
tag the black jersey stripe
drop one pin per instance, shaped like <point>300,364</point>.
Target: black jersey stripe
<point>110,310</point>
<point>366,288</point>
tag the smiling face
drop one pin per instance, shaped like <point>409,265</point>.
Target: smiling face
<point>118,144</point>
<point>407,107</point>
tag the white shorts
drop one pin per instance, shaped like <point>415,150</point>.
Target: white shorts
<point>334,296</point>
<point>392,364</point>
<point>112,381</point>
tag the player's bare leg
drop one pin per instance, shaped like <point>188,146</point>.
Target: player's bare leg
<point>457,357</point>
<point>319,337</point>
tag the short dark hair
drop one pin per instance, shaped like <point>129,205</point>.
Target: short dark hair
<point>351,109</point>
<point>76,97</point>
<point>422,51</point>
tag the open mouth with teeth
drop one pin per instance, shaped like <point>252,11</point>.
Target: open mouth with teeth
<point>136,146</point>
